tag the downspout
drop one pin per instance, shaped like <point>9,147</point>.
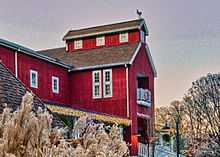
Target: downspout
<point>127,91</point>
<point>16,63</point>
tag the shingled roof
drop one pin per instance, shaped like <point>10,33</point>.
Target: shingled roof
<point>92,58</point>
<point>12,90</point>
<point>106,29</point>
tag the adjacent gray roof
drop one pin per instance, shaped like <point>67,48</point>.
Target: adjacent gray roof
<point>12,90</point>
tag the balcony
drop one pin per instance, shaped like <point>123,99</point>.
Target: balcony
<point>144,97</point>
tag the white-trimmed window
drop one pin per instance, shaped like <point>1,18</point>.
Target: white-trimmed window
<point>96,84</point>
<point>33,79</point>
<point>143,37</point>
<point>107,82</point>
<point>78,44</point>
<point>100,40</point>
<point>123,37</point>
<point>55,84</point>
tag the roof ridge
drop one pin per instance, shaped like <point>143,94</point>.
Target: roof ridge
<point>102,25</point>
<point>48,49</point>
<point>104,29</point>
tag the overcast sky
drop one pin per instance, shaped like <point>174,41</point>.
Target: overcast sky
<point>184,34</point>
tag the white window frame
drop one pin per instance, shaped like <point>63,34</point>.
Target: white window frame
<point>67,47</point>
<point>107,82</point>
<point>96,83</point>
<point>78,44</point>
<point>100,40</point>
<point>57,80</point>
<point>31,79</point>
<point>123,37</point>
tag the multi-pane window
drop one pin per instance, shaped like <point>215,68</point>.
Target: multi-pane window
<point>55,84</point>
<point>123,37</point>
<point>33,79</point>
<point>107,83</point>
<point>100,41</point>
<point>96,84</point>
<point>78,44</point>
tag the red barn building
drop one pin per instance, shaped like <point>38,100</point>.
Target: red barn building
<point>106,72</point>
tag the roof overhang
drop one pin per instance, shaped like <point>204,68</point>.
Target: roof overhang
<point>142,24</point>
<point>31,52</point>
<point>148,55</point>
<point>95,116</point>
<point>100,66</point>
<point>100,33</point>
<point>151,60</point>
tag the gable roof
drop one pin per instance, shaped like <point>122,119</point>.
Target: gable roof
<point>91,58</point>
<point>25,50</point>
<point>95,58</point>
<point>12,90</point>
<point>106,29</point>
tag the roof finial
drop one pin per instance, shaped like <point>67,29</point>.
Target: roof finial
<point>139,13</point>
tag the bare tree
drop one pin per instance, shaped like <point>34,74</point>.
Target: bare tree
<point>202,106</point>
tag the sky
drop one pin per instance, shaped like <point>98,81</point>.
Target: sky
<point>184,35</point>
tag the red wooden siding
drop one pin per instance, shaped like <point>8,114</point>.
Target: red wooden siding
<point>89,43</point>
<point>7,57</point>
<point>81,97</point>
<point>110,40</point>
<point>134,36</point>
<point>75,88</point>
<point>45,72</point>
<point>142,65</point>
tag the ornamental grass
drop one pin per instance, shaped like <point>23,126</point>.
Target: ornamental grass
<point>24,133</point>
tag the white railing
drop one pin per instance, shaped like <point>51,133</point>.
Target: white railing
<point>144,97</point>
<point>142,150</point>
<point>162,151</point>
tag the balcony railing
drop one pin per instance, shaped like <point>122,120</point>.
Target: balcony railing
<point>144,150</point>
<point>144,97</point>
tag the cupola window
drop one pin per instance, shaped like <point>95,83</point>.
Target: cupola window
<point>123,37</point>
<point>100,41</point>
<point>78,44</point>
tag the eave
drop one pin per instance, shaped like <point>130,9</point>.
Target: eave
<point>31,52</point>
<point>99,33</point>
<point>115,30</point>
<point>100,66</point>
<point>95,116</point>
